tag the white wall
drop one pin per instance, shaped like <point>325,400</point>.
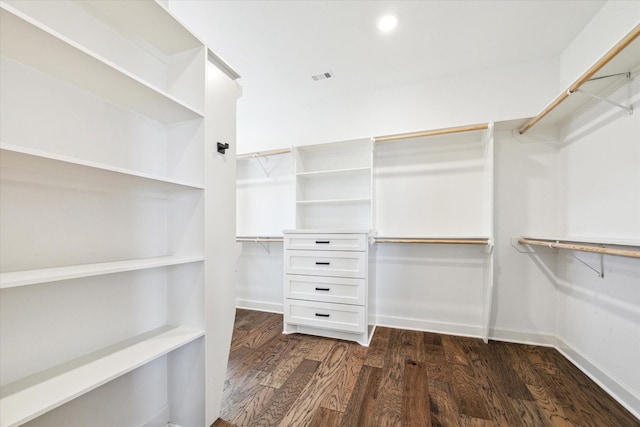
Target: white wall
<point>496,94</point>
<point>431,288</point>
<point>266,195</point>
<point>526,197</point>
<point>260,284</point>
<point>432,187</point>
<point>599,318</point>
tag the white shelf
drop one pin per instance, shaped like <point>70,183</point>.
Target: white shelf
<point>173,38</point>
<point>26,399</point>
<point>46,275</point>
<point>587,240</point>
<point>335,173</point>
<point>562,108</point>
<point>38,165</point>
<point>32,44</point>
<point>328,231</point>
<point>436,240</point>
<point>438,237</point>
<point>333,202</point>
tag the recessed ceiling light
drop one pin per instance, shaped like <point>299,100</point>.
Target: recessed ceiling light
<point>387,23</point>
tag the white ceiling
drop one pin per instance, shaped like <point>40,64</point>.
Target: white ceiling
<point>277,45</point>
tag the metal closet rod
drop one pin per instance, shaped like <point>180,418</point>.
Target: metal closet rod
<point>263,153</point>
<point>447,131</point>
<point>434,241</point>
<point>557,244</point>
<point>586,76</point>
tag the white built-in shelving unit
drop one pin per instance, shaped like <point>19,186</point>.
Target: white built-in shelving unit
<point>103,216</point>
<point>400,189</point>
<point>334,185</point>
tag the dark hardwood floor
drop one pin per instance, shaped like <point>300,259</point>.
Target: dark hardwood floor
<point>405,378</point>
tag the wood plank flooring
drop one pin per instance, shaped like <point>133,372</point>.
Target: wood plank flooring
<point>405,378</point>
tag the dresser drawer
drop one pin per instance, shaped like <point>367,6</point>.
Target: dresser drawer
<point>339,317</point>
<point>325,263</point>
<point>327,289</point>
<point>326,242</point>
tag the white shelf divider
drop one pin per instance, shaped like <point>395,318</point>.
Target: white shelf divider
<point>26,399</point>
<point>82,171</point>
<point>26,41</point>
<point>54,274</point>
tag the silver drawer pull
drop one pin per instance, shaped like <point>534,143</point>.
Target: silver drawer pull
<point>322,315</point>
<point>323,289</point>
<point>323,242</point>
<point>323,263</point>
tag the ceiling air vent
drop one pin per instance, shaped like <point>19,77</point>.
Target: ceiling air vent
<point>322,76</point>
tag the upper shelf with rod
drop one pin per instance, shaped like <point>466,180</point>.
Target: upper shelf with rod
<point>631,248</point>
<point>260,155</point>
<point>622,248</point>
<point>259,239</point>
<point>435,132</point>
<point>436,240</point>
<point>617,67</point>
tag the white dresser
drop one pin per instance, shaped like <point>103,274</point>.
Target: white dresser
<point>327,285</point>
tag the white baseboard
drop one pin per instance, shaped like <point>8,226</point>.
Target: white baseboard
<point>429,326</point>
<point>522,337</point>
<point>620,392</point>
<point>260,306</point>
<point>160,420</point>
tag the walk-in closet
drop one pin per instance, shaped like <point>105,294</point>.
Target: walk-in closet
<point>319,213</point>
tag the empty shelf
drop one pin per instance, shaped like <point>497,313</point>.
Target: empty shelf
<point>336,173</point>
<point>436,240</point>
<point>332,201</point>
<point>45,275</point>
<point>38,166</point>
<point>29,43</point>
<point>33,396</point>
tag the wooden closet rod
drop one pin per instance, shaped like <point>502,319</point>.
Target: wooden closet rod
<point>263,153</point>
<point>582,248</point>
<point>435,241</point>
<point>586,76</point>
<point>259,239</point>
<point>448,131</point>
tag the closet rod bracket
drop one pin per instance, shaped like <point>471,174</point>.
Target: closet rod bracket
<point>265,246</point>
<point>488,249</point>
<point>600,272</point>
<point>628,109</point>
<point>522,248</point>
<point>263,161</point>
